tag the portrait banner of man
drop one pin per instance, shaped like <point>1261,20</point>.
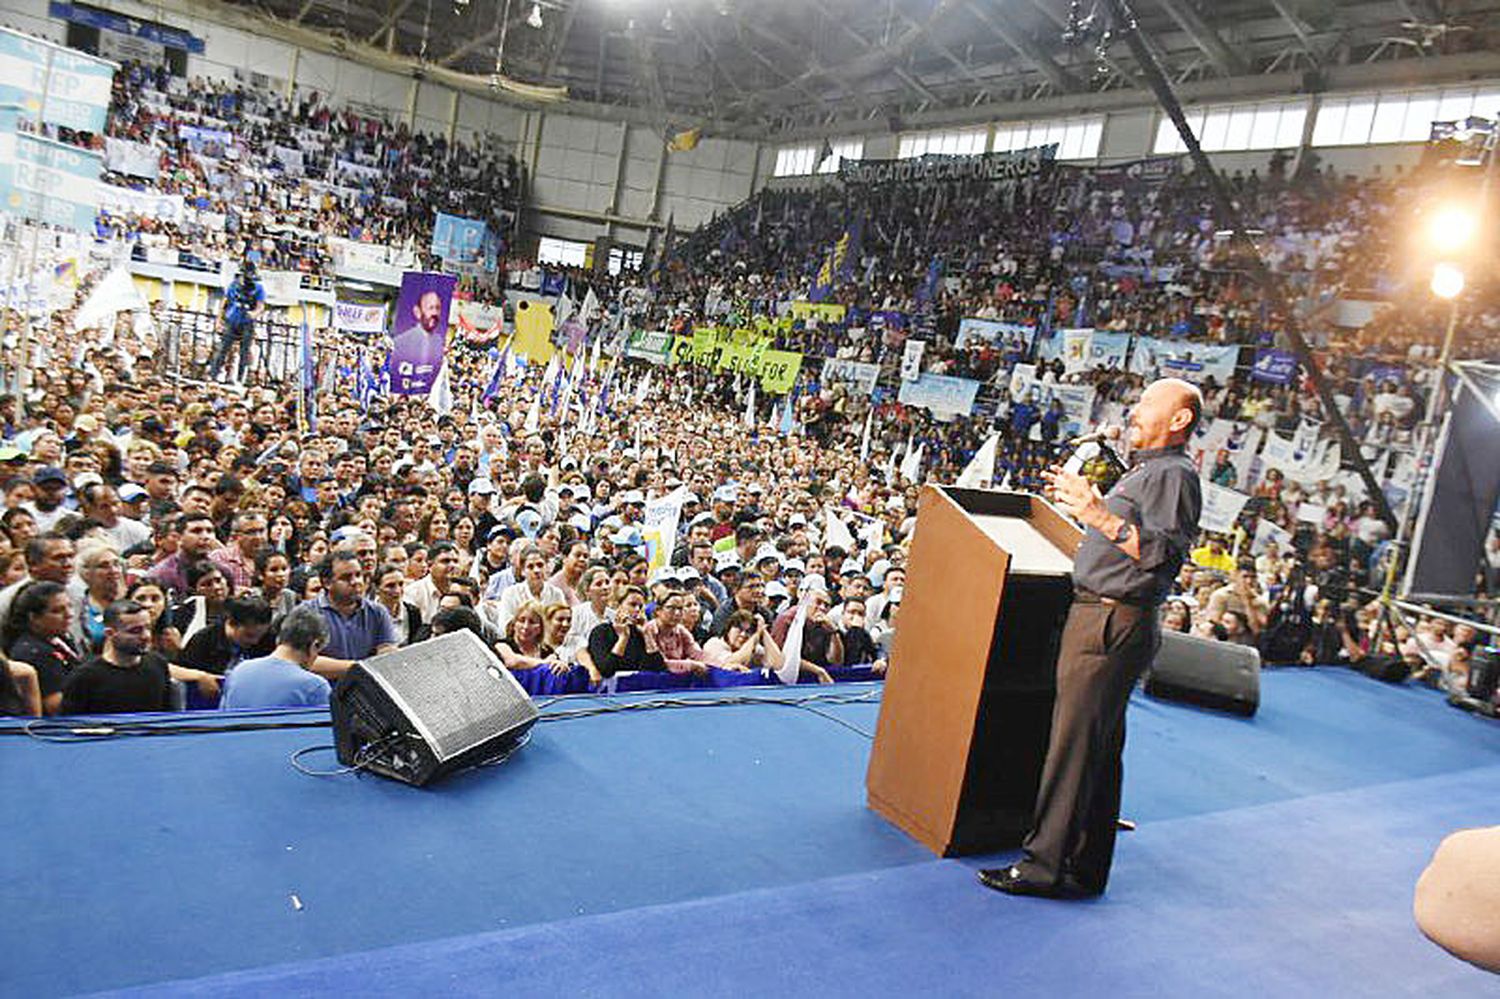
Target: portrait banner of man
<point>420,331</point>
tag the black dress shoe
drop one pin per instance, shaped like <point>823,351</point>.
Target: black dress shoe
<point>1011,881</point>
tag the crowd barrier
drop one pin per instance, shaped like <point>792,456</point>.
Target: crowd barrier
<point>541,681</point>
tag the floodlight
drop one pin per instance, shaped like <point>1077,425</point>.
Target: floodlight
<point>1451,228</point>
<point>1447,281</point>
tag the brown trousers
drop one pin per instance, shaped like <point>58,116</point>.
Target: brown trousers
<point>1105,649</point>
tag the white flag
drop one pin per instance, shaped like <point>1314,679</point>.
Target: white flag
<point>864,440</point>
<point>911,465</point>
<point>836,532</point>
<point>981,468</point>
<point>534,415</point>
<point>643,388</point>
<point>563,312</point>
<point>750,406</point>
<point>590,307</point>
<point>791,649</point>
<point>873,534</point>
<point>116,293</point>
<point>440,396</point>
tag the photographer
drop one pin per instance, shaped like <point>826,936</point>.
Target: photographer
<point>243,301</point>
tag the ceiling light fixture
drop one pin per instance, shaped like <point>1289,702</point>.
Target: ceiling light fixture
<point>535,17</point>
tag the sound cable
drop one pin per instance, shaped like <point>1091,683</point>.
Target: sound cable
<point>365,758</point>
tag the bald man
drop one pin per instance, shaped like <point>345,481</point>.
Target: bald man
<point>1457,901</point>
<point>1135,541</point>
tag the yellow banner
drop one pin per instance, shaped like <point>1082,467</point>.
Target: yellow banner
<point>533,336</point>
<point>822,311</point>
<point>778,370</point>
<point>681,351</point>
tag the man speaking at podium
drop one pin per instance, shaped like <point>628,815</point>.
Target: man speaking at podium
<point>1136,539</point>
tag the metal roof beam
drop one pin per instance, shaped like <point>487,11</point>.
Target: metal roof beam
<point>389,23</point>
<point>1027,48</point>
<point>1224,58</point>
<point>478,41</point>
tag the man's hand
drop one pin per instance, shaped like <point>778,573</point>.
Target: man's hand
<point>1076,495</point>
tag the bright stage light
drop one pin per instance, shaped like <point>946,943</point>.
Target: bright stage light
<point>1451,228</point>
<point>1447,281</point>
<point>535,17</point>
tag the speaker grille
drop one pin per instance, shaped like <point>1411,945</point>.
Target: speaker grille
<point>454,690</point>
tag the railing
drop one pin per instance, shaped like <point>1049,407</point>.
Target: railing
<point>189,338</point>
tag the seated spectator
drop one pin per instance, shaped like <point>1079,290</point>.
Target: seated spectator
<point>665,630</point>
<point>20,693</point>
<point>358,627</point>
<point>1244,595</point>
<point>273,572</point>
<point>1213,555</point>
<point>284,679</point>
<point>244,632</point>
<point>1236,628</point>
<point>621,645</point>
<point>103,576</point>
<point>127,676</point>
<point>822,646</point>
<point>557,629</point>
<point>1176,616</point>
<point>859,647</point>
<point>150,594</point>
<point>524,645</point>
<point>451,619</point>
<point>745,645</point>
<point>390,584</point>
<point>36,632</point>
<point>532,588</point>
<point>208,590</point>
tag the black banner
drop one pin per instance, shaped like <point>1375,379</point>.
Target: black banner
<point>1016,165</point>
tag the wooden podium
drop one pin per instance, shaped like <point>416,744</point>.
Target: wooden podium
<point>968,700</point>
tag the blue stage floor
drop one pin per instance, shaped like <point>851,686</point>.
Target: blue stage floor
<point>727,851</point>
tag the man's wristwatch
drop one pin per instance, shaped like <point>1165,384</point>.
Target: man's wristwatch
<point>1122,534</point>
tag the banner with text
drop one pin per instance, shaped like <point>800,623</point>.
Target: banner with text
<point>358,317</point>
<point>940,393</point>
<point>858,376</point>
<point>1156,357</point>
<point>994,331</point>
<point>65,86</point>
<point>1009,166</point>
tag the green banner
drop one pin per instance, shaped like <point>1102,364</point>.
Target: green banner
<point>650,346</point>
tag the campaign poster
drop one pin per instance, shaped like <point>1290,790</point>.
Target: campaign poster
<point>420,331</point>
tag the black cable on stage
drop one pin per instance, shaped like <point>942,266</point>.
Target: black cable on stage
<point>101,730</point>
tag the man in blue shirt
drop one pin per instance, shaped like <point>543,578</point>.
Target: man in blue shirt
<point>242,304</point>
<point>358,627</point>
<point>283,679</point>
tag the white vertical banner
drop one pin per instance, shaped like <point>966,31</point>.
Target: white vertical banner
<point>659,526</point>
<point>911,360</point>
<point>791,650</point>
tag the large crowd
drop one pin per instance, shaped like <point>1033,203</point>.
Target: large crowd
<point>247,174</point>
<point>229,552</point>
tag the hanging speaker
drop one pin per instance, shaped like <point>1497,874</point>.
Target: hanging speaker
<point>424,711</point>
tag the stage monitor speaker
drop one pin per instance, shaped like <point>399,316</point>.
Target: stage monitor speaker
<point>425,711</point>
<point>1205,672</point>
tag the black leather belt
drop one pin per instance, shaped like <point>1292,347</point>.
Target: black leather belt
<point>1089,597</point>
